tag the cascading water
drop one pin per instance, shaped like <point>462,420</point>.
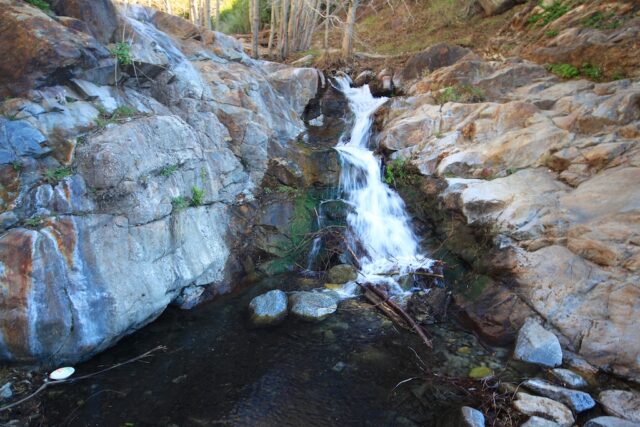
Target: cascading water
<point>377,220</point>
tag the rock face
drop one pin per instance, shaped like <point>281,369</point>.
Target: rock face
<point>537,345</point>
<point>539,422</point>
<point>116,201</point>
<point>268,309</point>
<point>436,56</point>
<point>509,152</point>
<point>494,7</point>
<point>579,401</point>
<point>621,403</point>
<point>544,408</point>
<point>342,274</point>
<point>312,306</point>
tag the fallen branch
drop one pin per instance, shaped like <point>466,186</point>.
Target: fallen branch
<point>399,311</point>
<point>48,383</point>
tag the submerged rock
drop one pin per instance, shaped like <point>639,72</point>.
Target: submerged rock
<point>568,378</point>
<point>342,274</point>
<point>537,345</point>
<point>544,407</point>
<point>621,403</point>
<point>609,422</point>
<point>579,401</point>
<point>312,306</point>
<point>6,392</point>
<point>268,309</point>
<point>472,417</point>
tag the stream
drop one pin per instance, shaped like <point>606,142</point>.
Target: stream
<point>356,368</point>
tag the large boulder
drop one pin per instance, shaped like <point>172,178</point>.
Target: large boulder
<point>49,52</point>
<point>495,7</point>
<point>609,422</point>
<point>100,16</point>
<point>437,56</point>
<point>312,306</point>
<point>342,273</point>
<point>621,403</point>
<point>268,309</point>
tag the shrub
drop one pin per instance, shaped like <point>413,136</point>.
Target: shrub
<point>448,94</point>
<point>167,171</point>
<point>179,203</point>
<point>40,4</point>
<point>197,196</point>
<point>566,71</point>
<point>122,52</point>
<point>395,172</point>
<point>551,33</point>
<point>53,176</point>
<point>591,71</point>
<point>549,14</point>
<point>122,112</point>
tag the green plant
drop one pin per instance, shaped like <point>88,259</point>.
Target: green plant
<point>591,71</point>
<point>58,174</point>
<point>101,122</point>
<point>16,165</point>
<point>618,75</point>
<point>566,71</point>
<point>168,170</point>
<point>395,172</point>
<point>197,196</point>
<point>439,135</point>
<point>594,21</point>
<point>551,33</point>
<point>105,118</point>
<point>549,13</point>
<point>235,18</point>
<point>179,203</point>
<point>448,94</point>
<point>35,221</point>
<point>123,111</point>
<point>40,4</point>
<point>285,189</point>
<point>122,52</point>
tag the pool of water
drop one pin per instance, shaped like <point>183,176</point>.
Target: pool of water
<point>217,370</point>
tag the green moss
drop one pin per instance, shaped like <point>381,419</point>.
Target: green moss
<point>477,286</point>
<point>40,4</point>
<point>566,71</point>
<point>53,176</point>
<point>549,14</point>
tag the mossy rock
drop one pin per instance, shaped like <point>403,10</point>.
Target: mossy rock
<point>342,273</point>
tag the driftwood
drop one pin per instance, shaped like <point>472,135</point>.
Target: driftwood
<point>392,307</point>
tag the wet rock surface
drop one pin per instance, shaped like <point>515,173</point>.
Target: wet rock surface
<point>609,422</point>
<point>568,378</point>
<point>342,274</point>
<point>472,417</point>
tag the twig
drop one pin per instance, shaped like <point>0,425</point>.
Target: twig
<point>48,383</point>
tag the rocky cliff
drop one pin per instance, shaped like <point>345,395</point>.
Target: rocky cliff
<point>534,181</point>
<point>128,137</point>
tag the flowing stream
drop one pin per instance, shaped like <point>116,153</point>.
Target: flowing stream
<point>379,229</point>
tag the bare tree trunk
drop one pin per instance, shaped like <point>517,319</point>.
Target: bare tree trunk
<point>207,14</point>
<point>193,12</point>
<point>255,27</point>
<point>217,15</point>
<point>284,31</point>
<point>326,26</point>
<point>347,39</point>
<point>272,27</point>
<point>168,7</point>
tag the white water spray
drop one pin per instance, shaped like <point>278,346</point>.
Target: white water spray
<point>377,218</point>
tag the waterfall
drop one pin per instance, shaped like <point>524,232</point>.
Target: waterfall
<point>377,221</point>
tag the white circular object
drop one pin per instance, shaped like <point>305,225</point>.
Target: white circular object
<point>62,373</point>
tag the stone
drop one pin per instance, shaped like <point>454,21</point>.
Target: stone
<point>568,378</point>
<point>609,422</point>
<point>312,306</point>
<point>268,309</point>
<point>100,16</point>
<point>343,273</point>
<point>6,392</point>
<point>18,139</point>
<point>49,51</point>
<point>539,422</point>
<point>472,417</point>
<point>579,401</point>
<point>432,58</point>
<point>537,345</point>
<point>495,7</point>
<point>621,403</point>
<point>544,408</point>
